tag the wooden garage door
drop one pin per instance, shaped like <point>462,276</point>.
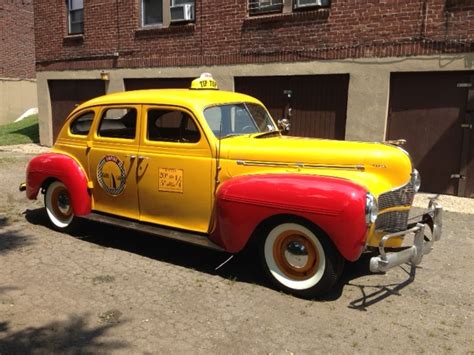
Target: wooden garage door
<point>431,111</point>
<point>317,104</point>
<point>157,83</point>
<point>66,94</point>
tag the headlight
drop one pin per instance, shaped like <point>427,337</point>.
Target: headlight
<point>415,180</point>
<point>371,209</point>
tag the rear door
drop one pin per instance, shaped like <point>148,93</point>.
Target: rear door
<point>112,157</point>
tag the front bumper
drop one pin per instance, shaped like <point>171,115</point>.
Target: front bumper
<point>432,219</point>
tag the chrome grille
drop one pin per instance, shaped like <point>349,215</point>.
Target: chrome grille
<point>400,197</point>
<point>394,221</point>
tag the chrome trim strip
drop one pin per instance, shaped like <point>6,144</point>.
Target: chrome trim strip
<point>300,165</point>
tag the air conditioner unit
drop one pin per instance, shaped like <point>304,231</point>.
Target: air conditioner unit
<point>180,13</point>
<point>304,3</point>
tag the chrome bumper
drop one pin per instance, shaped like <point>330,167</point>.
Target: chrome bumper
<point>433,219</point>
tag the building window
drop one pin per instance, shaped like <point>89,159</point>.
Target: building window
<point>257,7</point>
<point>310,3</point>
<point>152,12</point>
<point>75,16</point>
<point>157,12</point>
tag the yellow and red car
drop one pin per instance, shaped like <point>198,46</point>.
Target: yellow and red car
<point>211,167</point>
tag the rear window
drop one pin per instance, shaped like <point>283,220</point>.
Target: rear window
<point>81,125</point>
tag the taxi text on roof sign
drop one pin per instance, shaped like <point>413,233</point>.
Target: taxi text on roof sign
<point>204,82</point>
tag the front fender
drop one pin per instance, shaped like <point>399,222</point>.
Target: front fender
<point>63,168</point>
<point>336,206</point>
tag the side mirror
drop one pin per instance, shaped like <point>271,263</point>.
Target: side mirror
<point>284,125</point>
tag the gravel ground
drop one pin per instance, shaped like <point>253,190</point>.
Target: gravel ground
<point>106,289</point>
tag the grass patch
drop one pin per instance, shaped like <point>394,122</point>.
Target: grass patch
<point>25,131</point>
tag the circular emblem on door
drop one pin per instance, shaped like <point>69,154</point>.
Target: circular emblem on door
<point>111,175</point>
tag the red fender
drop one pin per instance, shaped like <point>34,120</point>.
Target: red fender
<point>337,206</point>
<point>63,168</point>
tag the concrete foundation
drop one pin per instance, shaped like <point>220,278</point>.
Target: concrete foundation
<point>16,96</point>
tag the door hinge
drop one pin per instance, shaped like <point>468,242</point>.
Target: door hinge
<point>458,176</point>
<point>466,125</point>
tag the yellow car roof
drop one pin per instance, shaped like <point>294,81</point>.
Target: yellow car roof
<point>179,97</point>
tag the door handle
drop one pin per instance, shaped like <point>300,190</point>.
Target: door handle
<point>131,156</point>
<point>141,158</point>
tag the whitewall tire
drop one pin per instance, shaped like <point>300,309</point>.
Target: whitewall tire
<point>58,205</point>
<point>300,259</point>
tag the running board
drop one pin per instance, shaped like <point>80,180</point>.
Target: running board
<point>188,237</point>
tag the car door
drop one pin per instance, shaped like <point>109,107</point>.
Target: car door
<point>112,160</point>
<point>174,170</point>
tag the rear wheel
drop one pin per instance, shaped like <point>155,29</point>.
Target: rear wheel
<point>300,259</point>
<point>58,205</point>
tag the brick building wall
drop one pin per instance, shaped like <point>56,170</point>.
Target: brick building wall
<point>17,50</point>
<point>224,33</point>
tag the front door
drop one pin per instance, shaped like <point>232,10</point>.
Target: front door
<point>174,170</point>
<point>113,161</point>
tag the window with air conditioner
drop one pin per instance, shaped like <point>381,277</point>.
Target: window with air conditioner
<point>182,10</point>
<point>265,6</point>
<point>307,3</point>
<point>157,12</point>
<point>75,16</point>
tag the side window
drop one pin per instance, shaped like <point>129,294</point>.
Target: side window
<point>118,123</point>
<point>171,126</point>
<point>82,124</point>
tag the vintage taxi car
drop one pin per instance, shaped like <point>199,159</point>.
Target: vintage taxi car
<point>211,167</point>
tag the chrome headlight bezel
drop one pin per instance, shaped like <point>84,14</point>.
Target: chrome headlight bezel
<point>371,209</point>
<point>416,180</point>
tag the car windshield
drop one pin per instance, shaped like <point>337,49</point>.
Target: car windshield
<point>237,119</point>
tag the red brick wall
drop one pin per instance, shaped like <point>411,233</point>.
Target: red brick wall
<point>224,33</point>
<point>17,50</point>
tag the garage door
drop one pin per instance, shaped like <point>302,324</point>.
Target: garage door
<point>434,113</point>
<point>315,104</point>
<point>157,83</point>
<point>66,94</point>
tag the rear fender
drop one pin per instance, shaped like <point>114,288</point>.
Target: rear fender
<point>60,167</point>
<point>336,206</point>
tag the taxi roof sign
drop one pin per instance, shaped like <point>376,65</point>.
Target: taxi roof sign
<point>204,82</point>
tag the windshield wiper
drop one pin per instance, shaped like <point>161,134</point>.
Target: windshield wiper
<point>266,134</point>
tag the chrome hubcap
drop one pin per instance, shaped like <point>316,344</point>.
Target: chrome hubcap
<point>64,203</point>
<point>296,254</point>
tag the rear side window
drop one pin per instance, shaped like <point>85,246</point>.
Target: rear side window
<point>171,126</point>
<point>118,123</point>
<point>82,124</point>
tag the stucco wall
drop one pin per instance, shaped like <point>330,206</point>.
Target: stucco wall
<point>16,96</point>
<point>368,86</point>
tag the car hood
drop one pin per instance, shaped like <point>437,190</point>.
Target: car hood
<point>377,166</point>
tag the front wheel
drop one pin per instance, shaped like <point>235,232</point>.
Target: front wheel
<point>300,260</point>
<point>57,201</point>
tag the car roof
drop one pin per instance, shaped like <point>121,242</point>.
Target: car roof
<point>179,97</point>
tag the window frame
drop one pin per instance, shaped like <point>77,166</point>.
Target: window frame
<point>69,19</point>
<point>166,15</point>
